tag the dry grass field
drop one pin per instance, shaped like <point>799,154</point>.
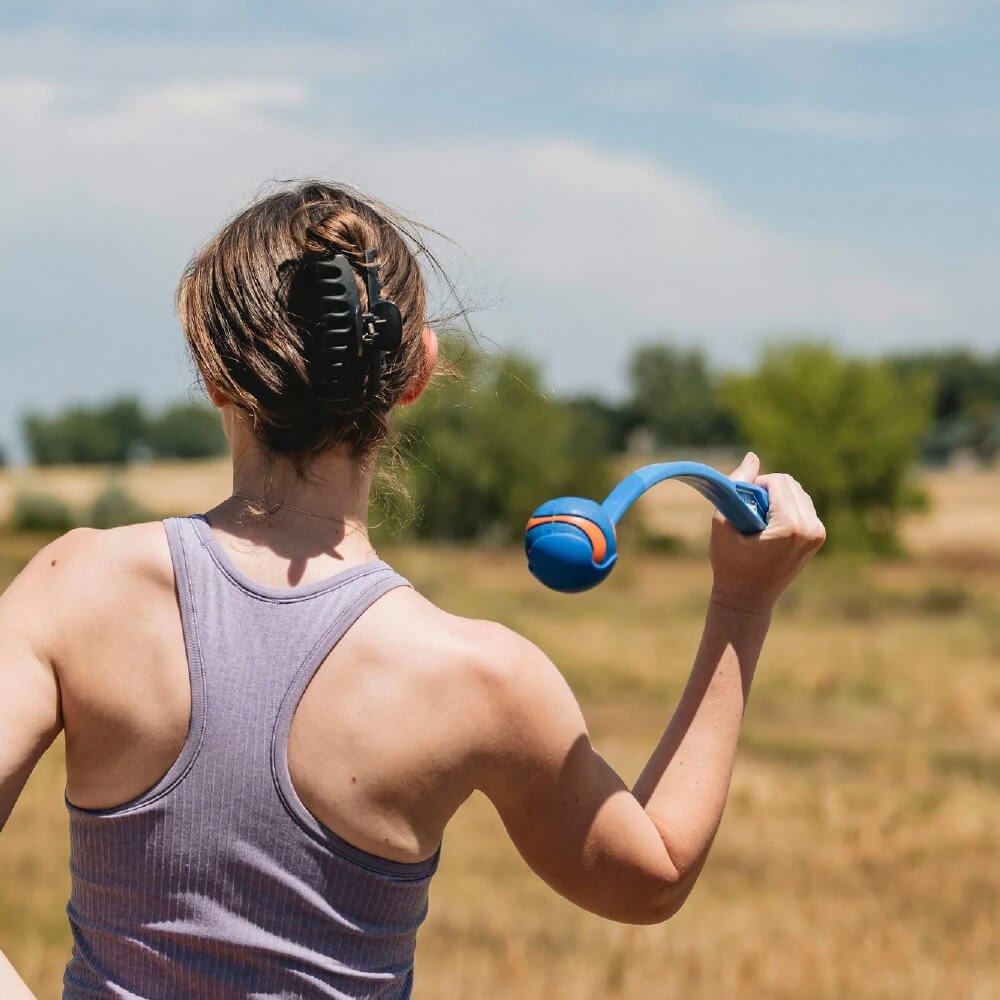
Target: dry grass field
<point>859,854</point>
<point>173,487</point>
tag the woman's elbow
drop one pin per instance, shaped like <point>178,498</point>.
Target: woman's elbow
<point>655,904</point>
<point>663,903</point>
<point>667,903</point>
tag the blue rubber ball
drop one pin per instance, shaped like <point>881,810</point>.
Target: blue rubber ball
<point>570,543</point>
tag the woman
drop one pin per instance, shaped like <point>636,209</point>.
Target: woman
<point>267,729</point>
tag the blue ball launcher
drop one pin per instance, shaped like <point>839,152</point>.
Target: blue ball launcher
<point>571,542</point>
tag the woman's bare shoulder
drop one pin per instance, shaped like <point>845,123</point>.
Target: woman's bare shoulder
<point>481,653</point>
<point>406,617</point>
<point>86,567</point>
<point>109,552</point>
<point>87,579</point>
<point>86,550</point>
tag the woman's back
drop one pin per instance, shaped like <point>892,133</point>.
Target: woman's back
<point>211,854</point>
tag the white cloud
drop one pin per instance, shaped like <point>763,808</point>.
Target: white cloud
<point>28,96</point>
<point>627,248</point>
<point>221,98</point>
<point>590,250</point>
<point>823,18</point>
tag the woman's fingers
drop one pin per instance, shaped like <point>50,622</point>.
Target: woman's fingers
<point>781,509</point>
<point>792,510</point>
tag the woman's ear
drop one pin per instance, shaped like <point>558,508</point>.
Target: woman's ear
<point>216,395</point>
<point>419,381</point>
<point>227,413</point>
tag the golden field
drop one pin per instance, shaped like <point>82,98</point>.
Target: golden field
<point>859,854</point>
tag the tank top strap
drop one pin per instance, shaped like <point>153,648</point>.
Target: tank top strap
<point>180,551</point>
<point>376,586</point>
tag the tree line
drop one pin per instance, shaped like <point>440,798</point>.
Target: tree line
<point>122,430</point>
<point>676,395</point>
<point>481,449</point>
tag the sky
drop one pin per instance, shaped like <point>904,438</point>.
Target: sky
<point>722,174</point>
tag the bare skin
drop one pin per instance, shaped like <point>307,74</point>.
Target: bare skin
<point>411,712</point>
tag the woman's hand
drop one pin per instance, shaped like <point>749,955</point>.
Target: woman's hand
<point>751,571</point>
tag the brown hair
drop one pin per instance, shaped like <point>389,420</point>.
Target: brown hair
<point>233,306</point>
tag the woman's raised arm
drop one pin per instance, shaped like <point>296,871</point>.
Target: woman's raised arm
<point>635,855</point>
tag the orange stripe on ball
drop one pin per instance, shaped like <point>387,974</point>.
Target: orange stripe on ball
<point>597,540</point>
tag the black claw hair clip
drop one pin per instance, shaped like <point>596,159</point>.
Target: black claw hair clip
<point>348,346</point>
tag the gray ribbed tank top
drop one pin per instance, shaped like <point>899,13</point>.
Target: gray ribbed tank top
<point>217,883</point>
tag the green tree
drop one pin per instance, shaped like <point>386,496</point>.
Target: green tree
<point>86,434</point>
<point>608,423</point>
<point>187,430</point>
<point>966,401</point>
<point>484,450</point>
<point>676,396</point>
<point>847,429</point>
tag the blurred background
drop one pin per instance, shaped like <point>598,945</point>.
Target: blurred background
<point>683,229</point>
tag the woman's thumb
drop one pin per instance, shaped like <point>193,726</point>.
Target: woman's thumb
<point>748,469</point>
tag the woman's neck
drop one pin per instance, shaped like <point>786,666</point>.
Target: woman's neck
<point>328,512</point>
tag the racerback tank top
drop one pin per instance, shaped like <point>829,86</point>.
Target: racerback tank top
<point>217,883</point>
